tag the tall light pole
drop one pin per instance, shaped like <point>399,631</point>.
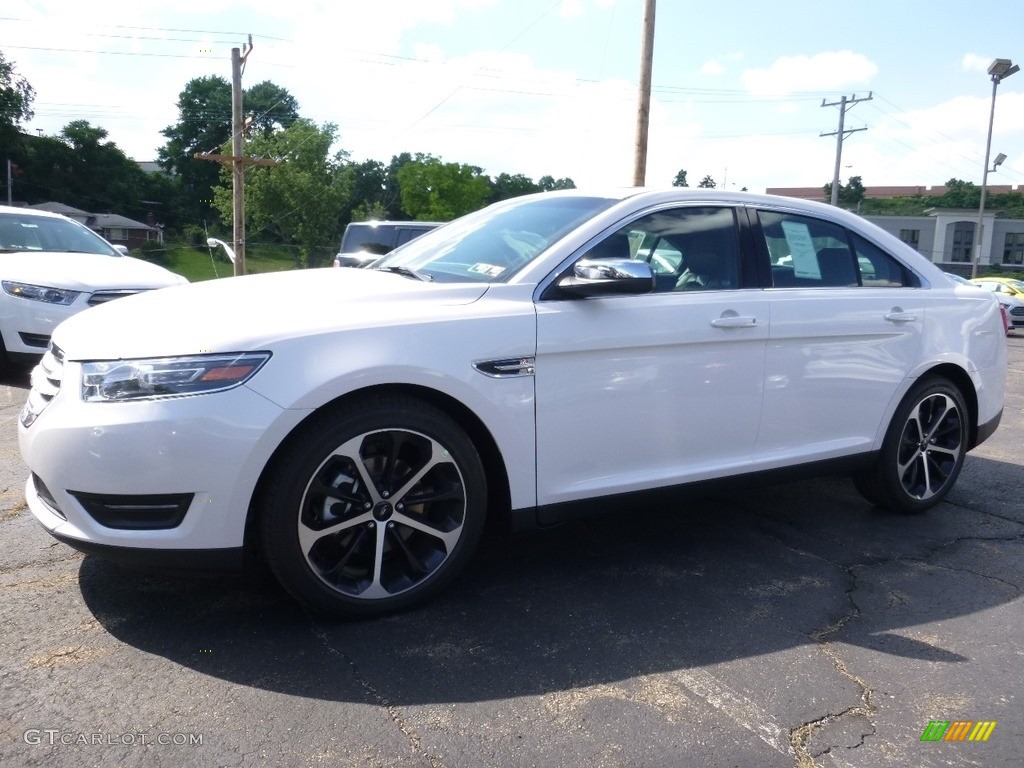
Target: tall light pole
<point>999,70</point>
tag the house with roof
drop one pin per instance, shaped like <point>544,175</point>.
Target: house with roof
<point>114,228</point>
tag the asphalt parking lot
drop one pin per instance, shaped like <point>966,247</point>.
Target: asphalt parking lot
<point>786,626</point>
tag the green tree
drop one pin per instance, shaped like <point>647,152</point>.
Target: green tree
<point>270,107</point>
<point>508,185</point>
<point>16,97</point>
<point>960,194</point>
<point>433,190</point>
<point>204,125</point>
<point>680,179</point>
<point>851,194</point>
<point>299,199</point>
<point>707,182</point>
<point>550,183</point>
<point>100,176</point>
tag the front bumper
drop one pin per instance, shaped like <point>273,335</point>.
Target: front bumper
<point>208,449</point>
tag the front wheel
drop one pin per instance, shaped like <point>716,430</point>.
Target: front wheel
<point>923,450</point>
<point>373,507</point>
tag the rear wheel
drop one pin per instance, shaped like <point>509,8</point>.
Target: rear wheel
<point>373,507</point>
<point>923,450</point>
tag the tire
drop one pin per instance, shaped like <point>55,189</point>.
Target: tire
<point>923,450</point>
<point>373,507</point>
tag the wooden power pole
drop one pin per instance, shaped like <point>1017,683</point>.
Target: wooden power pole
<point>237,160</point>
<point>844,104</point>
<point>643,114</point>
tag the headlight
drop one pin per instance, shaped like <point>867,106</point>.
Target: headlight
<point>40,293</point>
<point>147,379</point>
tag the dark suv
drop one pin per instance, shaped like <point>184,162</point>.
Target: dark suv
<point>366,241</point>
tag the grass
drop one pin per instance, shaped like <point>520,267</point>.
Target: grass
<point>197,264</point>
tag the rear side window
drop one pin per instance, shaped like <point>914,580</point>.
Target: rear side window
<point>877,268</point>
<point>810,253</point>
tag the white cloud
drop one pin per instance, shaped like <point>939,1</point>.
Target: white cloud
<point>712,67</point>
<point>571,9</point>
<point>820,72</point>
<point>972,62</point>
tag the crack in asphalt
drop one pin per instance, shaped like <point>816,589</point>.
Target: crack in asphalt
<point>379,698</point>
<point>801,735</point>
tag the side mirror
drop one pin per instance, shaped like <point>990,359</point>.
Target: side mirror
<point>122,249</point>
<point>602,277</point>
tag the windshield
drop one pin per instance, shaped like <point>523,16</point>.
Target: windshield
<point>25,232</point>
<point>493,244</point>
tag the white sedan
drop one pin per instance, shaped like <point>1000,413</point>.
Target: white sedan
<point>355,428</point>
<point>52,268</point>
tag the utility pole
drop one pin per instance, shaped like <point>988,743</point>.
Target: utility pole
<point>643,115</point>
<point>237,160</point>
<point>843,104</point>
<point>237,147</point>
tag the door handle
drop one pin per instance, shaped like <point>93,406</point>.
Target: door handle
<point>899,316</point>
<point>734,322</point>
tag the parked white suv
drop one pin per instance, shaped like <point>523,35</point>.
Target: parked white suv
<point>53,267</point>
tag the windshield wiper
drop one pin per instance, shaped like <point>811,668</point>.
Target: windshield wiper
<point>405,272</point>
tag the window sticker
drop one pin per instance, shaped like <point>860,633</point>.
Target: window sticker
<point>801,247</point>
<point>491,270</point>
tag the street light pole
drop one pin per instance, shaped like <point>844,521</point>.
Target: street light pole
<point>999,69</point>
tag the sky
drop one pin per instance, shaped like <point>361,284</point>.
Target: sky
<point>549,87</point>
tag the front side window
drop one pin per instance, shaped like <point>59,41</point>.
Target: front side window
<point>689,249</point>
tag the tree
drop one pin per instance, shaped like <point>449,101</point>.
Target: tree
<point>204,125</point>
<point>433,190</point>
<point>550,184</point>
<point>707,183</point>
<point>299,199</point>
<point>960,194</point>
<point>680,179</point>
<point>270,106</point>
<point>507,186</point>
<point>16,97</point>
<point>851,194</point>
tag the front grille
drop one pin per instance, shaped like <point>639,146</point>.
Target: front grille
<point>102,297</point>
<point>136,513</point>
<point>46,381</point>
<point>1017,311</point>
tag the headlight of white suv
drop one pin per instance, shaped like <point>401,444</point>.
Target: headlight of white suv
<point>40,293</point>
<point>146,379</point>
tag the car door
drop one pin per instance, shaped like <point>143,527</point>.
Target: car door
<point>644,391</point>
<point>847,320</point>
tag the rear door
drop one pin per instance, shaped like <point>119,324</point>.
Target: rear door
<point>847,320</point>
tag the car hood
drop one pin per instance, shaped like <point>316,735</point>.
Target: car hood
<point>84,271</point>
<point>250,313</point>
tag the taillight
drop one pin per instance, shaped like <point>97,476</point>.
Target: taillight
<point>1006,318</point>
